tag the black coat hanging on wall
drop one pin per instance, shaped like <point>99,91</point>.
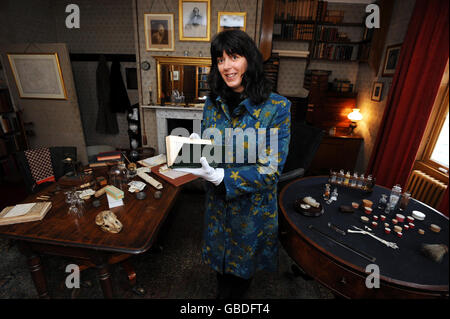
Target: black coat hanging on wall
<point>106,121</point>
<point>120,102</point>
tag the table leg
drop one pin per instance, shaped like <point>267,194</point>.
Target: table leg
<point>36,270</point>
<point>104,277</point>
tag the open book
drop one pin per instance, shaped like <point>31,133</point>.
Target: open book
<point>24,213</point>
<point>186,152</point>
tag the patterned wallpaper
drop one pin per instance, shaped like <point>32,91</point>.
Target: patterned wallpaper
<point>373,111</point>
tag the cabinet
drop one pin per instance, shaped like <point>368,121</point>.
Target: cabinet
<point>336,152</point>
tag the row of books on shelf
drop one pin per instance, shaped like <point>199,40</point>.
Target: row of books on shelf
<point>333,52</point>
<point>204,69</point>
<point>331,34</point>
<point>300,9</point>
<point>8,124</point>
<point>203,85</point>
<point>293,31</point>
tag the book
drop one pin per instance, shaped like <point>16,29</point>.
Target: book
<point>24,213</point>
<point>108,156</point>
<point>184,152</point>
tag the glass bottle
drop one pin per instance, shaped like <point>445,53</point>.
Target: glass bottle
<point>404,201</point>
<point>359,182</point>
<point>382,202</point>
<point>347,178</point>
<point>340,177</point>
<point>394,197</point>
<point>354,180</point>
<point>326,193</point>
<point>369,184</point>
<point>333,177</point>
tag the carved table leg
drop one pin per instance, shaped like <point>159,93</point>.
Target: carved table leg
<point>36,270</point>
<point>104,277</point>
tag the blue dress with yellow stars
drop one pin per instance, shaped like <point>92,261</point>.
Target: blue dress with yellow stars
<point>241,226</point>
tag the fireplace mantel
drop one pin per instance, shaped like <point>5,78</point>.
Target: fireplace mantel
<point>174,112</point>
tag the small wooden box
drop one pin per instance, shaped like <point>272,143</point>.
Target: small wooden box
<point>114,192</point>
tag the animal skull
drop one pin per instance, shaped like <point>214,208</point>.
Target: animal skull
<point>108,221</point>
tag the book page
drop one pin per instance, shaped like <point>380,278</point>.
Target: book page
<point>19,210</point>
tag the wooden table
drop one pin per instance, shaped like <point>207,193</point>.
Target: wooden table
<point>404,272</point>
<point>80,238</point>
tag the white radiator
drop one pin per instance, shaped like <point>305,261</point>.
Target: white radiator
<point>425,188</point>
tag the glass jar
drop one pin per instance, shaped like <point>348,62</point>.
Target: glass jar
<point>404,201</point>
<point>118,176</point>
<point>394,197</point>
<point>382,202</point>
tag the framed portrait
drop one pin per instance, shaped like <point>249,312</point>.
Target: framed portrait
<point>159,32</point>
<point>194,20</point>
<point>231,20</point>
<point>391,59</point>
<point>38,76</point>
<point>377,90</point>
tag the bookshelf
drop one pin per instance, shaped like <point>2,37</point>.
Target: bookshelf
<point>201,87</point>
<point>324,31</point>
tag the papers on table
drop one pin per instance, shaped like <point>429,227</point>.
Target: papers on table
<point>112,202</point>
<point>155,160</point>
<point>170,172</point>
<point>19,210</point>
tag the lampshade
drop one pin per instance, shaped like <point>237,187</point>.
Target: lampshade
<point>355,116</point>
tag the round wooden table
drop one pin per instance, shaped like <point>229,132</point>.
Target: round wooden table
<point>319,250</point>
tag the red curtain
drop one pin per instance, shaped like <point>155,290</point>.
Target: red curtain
<point>423,57</point>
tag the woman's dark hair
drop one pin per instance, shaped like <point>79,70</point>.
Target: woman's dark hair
<point>256,86</point>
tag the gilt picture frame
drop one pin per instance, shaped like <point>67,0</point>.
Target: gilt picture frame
<point>194,20</point>
<point>231,20</point>
<point>377,91</point>
<point>38,75</point>
<point>159,32</point>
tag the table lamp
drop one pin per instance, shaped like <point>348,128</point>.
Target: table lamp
<point>354,116</point>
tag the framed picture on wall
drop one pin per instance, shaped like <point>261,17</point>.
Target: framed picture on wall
<point>377,90</point>
<point>159,32</point>
<point>391,59</point>
<point>231,20</point>
<point>38,75</point>
<point>194,20</point>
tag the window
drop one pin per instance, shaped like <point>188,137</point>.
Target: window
<point>433,155</point>
<point>440,151</point>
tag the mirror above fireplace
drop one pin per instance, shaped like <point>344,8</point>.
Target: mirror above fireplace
<point>185,75</point>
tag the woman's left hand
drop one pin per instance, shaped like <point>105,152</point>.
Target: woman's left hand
<point>213,175</point>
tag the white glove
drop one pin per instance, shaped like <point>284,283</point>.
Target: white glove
<point>213,175</point>
<point>195,136</point>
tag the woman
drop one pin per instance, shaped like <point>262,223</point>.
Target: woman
<point>241,219</point>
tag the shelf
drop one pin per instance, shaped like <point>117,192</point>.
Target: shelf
<point>9,134</point>
<point>329,60</point>
<point>340,42</point>
<point>291,40</point>
<point>343,24</point>
<point>294,22</point>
